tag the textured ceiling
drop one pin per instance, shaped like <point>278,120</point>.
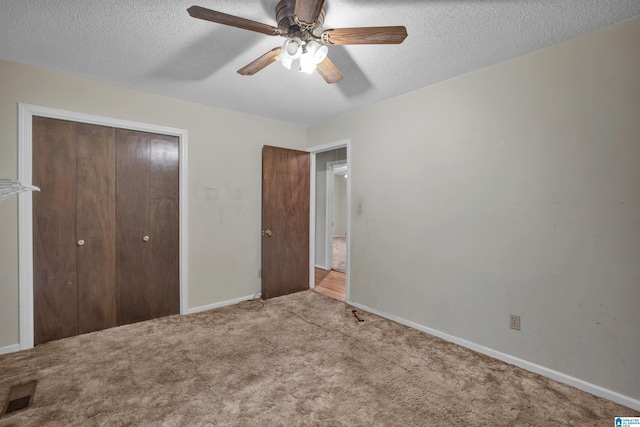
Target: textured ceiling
<point>155,46</point>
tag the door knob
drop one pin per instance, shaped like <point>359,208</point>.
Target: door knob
<point>267,233</point>
<point>80,242</point>
<point>145,238</point>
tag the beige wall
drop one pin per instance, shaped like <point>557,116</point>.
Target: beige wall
<point>224,164</point>
<point>339,206</point>
<point>511,189</point>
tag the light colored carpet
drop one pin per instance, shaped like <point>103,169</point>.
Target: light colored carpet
<point>339,261</point>
<point>303,360</point>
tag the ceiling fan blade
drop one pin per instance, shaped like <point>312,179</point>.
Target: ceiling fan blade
<point>307,11</point>
<point>328,71</point>
<point>260,63</point>
<point>365,35</point>
<point>233,21</point>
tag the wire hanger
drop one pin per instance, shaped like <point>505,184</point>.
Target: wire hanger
<point>9,187</point>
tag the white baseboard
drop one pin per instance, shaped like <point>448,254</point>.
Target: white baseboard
<point>10,348</point>
<point>219,304</point>
<point>529,366</point>
<point>322,267</point>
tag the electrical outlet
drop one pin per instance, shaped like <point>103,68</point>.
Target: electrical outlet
<point>514,322</point>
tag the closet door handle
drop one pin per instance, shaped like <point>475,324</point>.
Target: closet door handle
<point>145,238</point>
<point>80,242</point>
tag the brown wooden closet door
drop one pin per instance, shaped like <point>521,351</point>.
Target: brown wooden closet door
<point>132,225</point>
<point>164,208</point>
<point>74,228</point>
<point>147,208</point>
<point>96,226</point>
<point>106,227</point>
<point>55,285</point>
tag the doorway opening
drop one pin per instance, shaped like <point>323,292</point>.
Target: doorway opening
<point>337,175</point>
<point>330,196</point>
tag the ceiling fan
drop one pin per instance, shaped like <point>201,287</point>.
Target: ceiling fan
<point>300,23</point>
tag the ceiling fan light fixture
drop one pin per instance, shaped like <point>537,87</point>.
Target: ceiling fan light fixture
<point>292,48</point>
<point>285,60</point>
<point>313,54</point>
<point>318,51</point>
<point>307,64</point>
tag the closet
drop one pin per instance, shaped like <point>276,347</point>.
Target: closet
<point>105,227</point>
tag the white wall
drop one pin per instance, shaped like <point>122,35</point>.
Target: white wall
<point>511,189</point>
<point>339,205</point>
<point>224,163</point>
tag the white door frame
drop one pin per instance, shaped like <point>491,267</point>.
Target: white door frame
<point>345,143</point>
<point>26,112</point>
<point>331,170</point>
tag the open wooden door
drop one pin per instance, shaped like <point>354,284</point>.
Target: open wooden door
<point>285,221</point>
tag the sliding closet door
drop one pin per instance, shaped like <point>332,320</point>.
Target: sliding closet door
<point>147,225</point>
<point>55,284</point>
<point>96,226</point>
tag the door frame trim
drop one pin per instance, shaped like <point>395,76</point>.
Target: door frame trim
<point>343,143</point>
<point>26,112</point>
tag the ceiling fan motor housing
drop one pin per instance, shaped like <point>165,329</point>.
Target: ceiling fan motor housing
<point>285,17</point>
